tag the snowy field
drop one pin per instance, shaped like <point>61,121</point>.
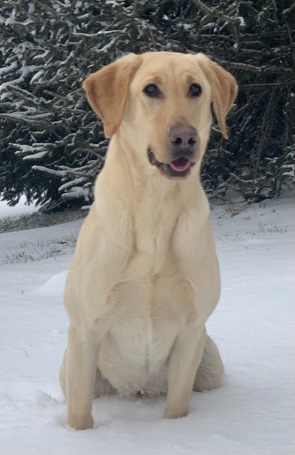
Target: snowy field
<point>253,413</point>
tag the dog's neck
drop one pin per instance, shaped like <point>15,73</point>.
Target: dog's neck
<point>141,188</point>
<point>142,201</point>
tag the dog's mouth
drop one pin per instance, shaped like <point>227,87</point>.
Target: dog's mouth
<point>178,168</point>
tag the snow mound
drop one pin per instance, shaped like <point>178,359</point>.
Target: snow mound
<point>54,286</point>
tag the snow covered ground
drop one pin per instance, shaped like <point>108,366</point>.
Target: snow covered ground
<point>253,413</point>
<point>20,209</point>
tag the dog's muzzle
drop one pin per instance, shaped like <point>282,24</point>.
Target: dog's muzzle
<point>178,168</point>
<point>182,139</point>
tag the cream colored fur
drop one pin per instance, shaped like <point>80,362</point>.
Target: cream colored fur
<point>144,277</point>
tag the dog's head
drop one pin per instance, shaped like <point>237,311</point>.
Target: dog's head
<point>159,103</point>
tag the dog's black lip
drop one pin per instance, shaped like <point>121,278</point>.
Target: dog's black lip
<point>152,158</point>
<point>165,168</point>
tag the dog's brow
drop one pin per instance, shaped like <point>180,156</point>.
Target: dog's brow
<point>155,78</point>
<point>189,78</point>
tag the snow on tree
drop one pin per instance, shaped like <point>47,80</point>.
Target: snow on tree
<point>52,145</point>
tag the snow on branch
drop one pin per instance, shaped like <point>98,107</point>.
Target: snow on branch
<point>31,152</point>
<point>72,183</point>
<point>77,192</point>
<point>51,172</point>
<point>8,69</point>
<point>36,156</point>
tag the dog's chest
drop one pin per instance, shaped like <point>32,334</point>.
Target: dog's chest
<point>147,317</point>
<point>148,306</point>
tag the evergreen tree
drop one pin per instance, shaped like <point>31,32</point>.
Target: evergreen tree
<point>255,41</point>
<point>52,145</point>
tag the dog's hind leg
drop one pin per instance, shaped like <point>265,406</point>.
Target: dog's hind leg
<point>210,372</point>
<point>101,385</point>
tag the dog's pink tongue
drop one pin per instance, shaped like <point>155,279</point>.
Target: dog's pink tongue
<point>180,165</point>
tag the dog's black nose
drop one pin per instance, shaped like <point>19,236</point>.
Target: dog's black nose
<point>183,138</point>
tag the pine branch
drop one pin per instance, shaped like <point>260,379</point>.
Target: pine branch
<point>46,7</point>
<point>255,69</point>
<point>215,14</point>
<point>278,85</point>
<point>21,117</point>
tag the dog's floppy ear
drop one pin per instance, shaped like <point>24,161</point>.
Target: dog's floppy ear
<point>224,89</point>
<point>107,90</point>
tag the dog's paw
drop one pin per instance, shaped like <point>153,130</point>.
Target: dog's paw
<point>81,423</point>
<point>175,413</point>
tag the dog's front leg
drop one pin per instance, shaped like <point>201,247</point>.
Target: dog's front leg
<point>184,361</point>
<point>81,369</point>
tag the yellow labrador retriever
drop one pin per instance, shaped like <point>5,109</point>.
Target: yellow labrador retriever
<point>144,278</point>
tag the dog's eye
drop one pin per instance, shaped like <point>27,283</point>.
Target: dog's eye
<point>195,90</point>
<point>152,90</point>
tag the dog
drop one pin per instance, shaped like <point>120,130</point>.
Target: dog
<point>144,276</point>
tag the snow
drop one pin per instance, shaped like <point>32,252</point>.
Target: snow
<point>253,413</point>
<point>8,68</point>
<point>20,209</point>
<point>36,156</point>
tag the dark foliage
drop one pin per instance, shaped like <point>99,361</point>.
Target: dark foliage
<point>51,144</point>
